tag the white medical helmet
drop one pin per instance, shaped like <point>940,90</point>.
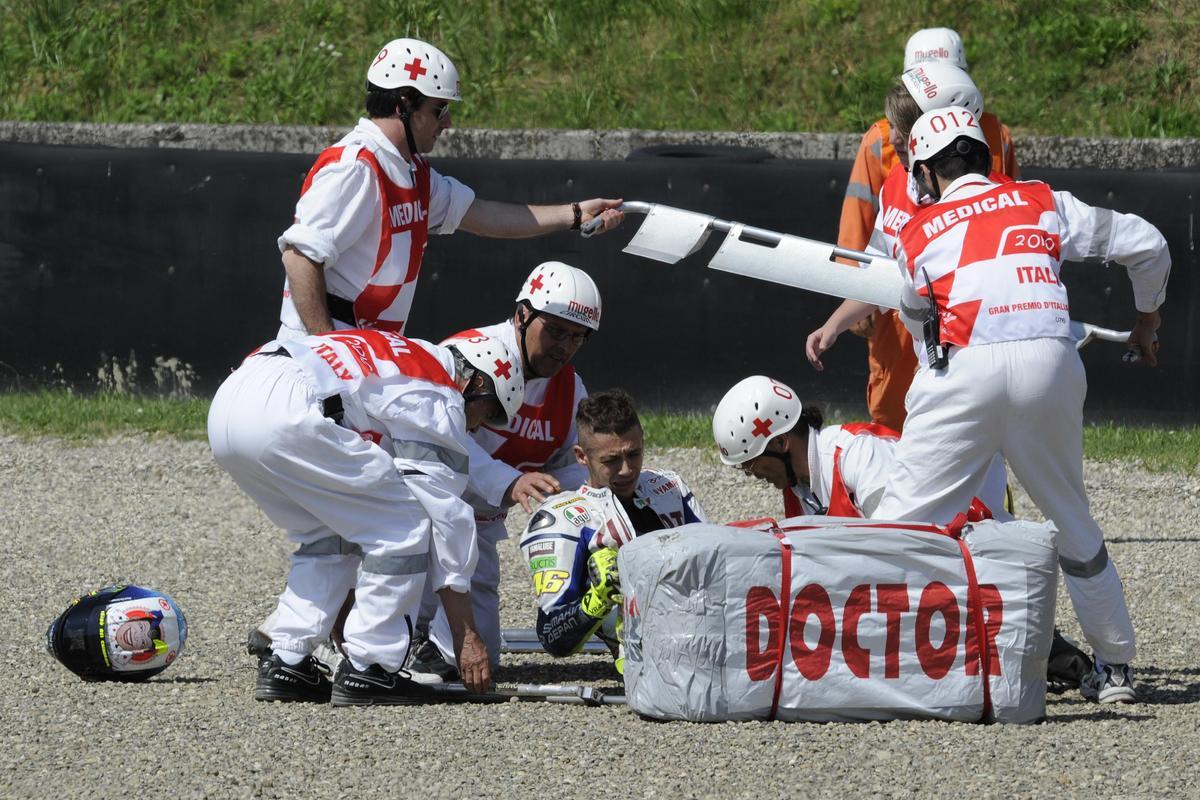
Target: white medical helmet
<point>491,359</point>
<point>936,130</point>
<point>934,44</point>
<point>411,62</point>
<point>754,411</point>
<point>563,291</point>
<point>938,84</point>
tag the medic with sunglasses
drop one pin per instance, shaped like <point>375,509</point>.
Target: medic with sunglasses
<point>370,202</point>
<point>558,309</point>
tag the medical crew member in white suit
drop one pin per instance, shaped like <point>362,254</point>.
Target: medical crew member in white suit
<point>981,271</point>
<point>355,442</point>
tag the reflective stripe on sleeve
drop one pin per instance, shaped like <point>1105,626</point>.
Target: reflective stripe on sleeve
<point>861,191</point>
<point>1102,236</point>
<point>426,451</point>
<point>1085,569</point>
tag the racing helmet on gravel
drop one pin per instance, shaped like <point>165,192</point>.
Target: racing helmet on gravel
<point>935,44</point>
<point>754,411</point>
<point>938,84</point>
<point>503,375</point>
<point>412,62</point>
<point>118,633</point>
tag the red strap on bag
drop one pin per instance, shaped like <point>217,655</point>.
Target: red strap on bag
<point>785,595</point>
<point>757,522</point>
<point>975,601</point>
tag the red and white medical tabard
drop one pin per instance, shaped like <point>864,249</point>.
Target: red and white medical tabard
<point>993,261</point>
<point>366,214</point>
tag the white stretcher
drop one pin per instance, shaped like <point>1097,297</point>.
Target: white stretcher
<point>671,234</point>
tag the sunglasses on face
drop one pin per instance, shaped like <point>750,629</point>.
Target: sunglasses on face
<point>440,112</point>
<point>560,334</point>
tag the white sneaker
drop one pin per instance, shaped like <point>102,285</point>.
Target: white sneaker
<point>1109,683</point>
<point>328,657</point>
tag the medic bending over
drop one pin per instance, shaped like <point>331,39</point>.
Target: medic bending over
<point>355,443</point>
<point>840,470</point>
<point>571,542</point>
<point>558,309</point>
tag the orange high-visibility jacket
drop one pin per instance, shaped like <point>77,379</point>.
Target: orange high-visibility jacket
<point>890,352</point>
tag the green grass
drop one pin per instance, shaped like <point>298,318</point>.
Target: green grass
<point>1066,67</point>
<point>82,418</point>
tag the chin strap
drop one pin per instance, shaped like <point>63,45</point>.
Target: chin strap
<point>406,118</point>
<point>523,329</point>
<point>793,480</point>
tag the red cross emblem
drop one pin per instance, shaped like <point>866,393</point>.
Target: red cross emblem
<point>535,284</point>
<point>415,70</point>
<point>503,369</point>
<point>762,427</point>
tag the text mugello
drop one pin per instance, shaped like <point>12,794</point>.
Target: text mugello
<point>928,87</point>
<point>912,641</point>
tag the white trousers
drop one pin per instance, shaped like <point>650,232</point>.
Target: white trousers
<point>1024,400</point>
<point>339,498</point>
<point>485,597</point>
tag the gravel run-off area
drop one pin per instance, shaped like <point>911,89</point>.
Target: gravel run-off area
<point>159,512</point>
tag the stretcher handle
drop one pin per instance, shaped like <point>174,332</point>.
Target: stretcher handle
<point>769,238</point>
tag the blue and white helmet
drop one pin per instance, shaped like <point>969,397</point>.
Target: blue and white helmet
<point>118,633</point>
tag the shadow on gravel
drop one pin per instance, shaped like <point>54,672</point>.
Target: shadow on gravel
<point>565,672</point>
<point>1167,687</point>
<point>1149,539</point>
<point>183,680</point>
<point>1098,715</point>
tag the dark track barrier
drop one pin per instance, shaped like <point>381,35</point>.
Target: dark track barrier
<point>158,254</point>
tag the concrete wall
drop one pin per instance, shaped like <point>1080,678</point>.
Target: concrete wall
<point>133,261</point>
<point>1048,152</point>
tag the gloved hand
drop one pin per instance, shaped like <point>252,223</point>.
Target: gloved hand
<point>605,590</point>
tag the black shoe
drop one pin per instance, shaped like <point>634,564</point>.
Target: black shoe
<point>279,682</point>
<point>1067,665</point>
<point>375,686</point>
<point>258,644</point>
<point>426,663</point>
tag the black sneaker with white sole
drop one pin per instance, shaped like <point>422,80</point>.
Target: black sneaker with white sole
<point>375,686</point>
<point>426,664</point>
<point>282,683</point>
<point>1109,683</point>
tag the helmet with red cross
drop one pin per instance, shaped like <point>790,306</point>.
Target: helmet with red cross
<point>411,62</point>
<point>754,411</point>
<point>502,375</point>
<point>938,84</point>
<point>936,132</point>
<point>562,291</point>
